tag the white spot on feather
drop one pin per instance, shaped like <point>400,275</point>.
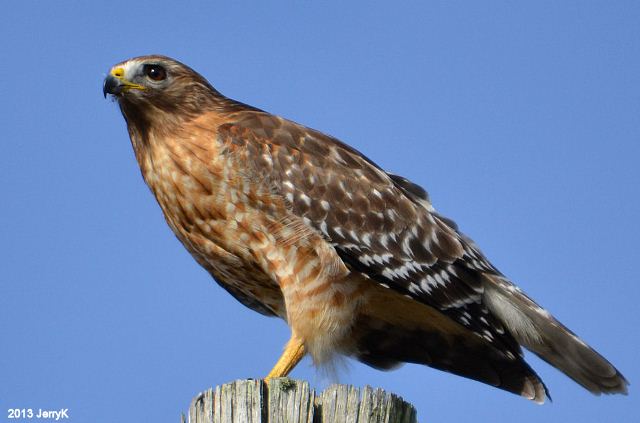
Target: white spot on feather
<point>366,260</point>
<point>384,239</point>
<point>305,199</point>
<point>323,228</point>
<point>439,279</point>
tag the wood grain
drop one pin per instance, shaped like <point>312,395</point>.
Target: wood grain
<point>286,400</point>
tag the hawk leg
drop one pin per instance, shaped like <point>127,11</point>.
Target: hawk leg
<point>293,352</point>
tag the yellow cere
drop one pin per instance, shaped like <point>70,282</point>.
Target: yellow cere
<point>119,73</point>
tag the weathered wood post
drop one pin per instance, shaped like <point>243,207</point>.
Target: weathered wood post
<point>286,400</point>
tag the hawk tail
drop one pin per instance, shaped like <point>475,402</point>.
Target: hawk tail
<point>538,331</point>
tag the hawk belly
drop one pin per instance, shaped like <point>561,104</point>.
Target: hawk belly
<point>252,244</point>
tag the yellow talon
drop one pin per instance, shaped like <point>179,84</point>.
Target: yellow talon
<point>293,352</point>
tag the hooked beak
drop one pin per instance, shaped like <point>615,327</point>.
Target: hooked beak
<point>115,84</point>
<point>111,86</point>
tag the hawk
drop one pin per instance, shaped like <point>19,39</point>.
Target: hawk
<point>296,224</point>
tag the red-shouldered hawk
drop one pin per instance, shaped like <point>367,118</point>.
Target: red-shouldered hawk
<point>293,223</point>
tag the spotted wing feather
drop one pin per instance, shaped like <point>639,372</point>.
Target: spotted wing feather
<point>380,224</point>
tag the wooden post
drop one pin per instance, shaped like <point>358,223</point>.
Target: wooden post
<point>286,400</point>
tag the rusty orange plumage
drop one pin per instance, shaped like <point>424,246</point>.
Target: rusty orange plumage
<point>294,223</point>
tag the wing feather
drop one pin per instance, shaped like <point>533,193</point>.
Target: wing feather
<point>380,224</point>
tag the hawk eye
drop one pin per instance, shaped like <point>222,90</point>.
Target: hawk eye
<point>154,72</point>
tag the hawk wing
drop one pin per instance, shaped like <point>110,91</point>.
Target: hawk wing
<point>384,227</point>
<point>381,225</point>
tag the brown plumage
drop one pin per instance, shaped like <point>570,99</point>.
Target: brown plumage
<point>295,224</point>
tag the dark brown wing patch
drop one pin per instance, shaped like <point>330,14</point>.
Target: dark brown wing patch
<point>393,329</point>
<point>380,225</point>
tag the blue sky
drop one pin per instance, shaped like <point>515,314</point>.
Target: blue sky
<point>522,121</point>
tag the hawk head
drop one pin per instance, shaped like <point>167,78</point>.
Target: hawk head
<point>152,87</point>
<point>158,91</point>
